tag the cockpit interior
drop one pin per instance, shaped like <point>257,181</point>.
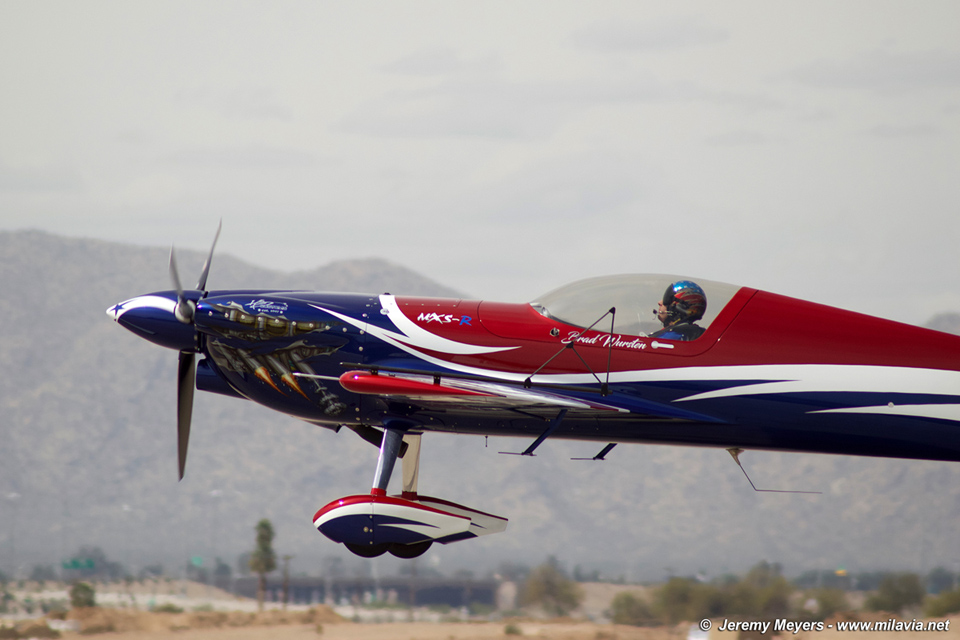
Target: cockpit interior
<point>634,296</point>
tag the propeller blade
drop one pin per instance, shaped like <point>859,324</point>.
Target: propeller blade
<point>174,275</point>
<point>185,308</point>
<point>186,379</point>
<point>202,283</point>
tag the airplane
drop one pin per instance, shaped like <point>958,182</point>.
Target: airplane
<point>588,361</point>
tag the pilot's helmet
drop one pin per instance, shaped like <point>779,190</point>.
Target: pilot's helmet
<point>685,302</point>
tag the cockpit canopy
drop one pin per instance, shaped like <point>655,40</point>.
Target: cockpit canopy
<point>635,297</point>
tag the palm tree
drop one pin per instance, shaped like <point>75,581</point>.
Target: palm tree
<point>263,560</point>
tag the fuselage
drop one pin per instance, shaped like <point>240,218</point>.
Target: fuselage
<point>769,372</point>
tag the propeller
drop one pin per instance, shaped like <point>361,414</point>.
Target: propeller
<point>186,379</point>
<point>187,369</point>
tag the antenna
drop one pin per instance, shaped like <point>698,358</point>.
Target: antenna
<point>735,454</point>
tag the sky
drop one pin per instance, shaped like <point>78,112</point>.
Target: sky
<point>503,148</point>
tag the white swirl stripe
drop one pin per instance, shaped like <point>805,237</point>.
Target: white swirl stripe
<point>940,411</point>
<point>419,337</point>
<point>814,378</point>
<point>142,302</point>
<point>413,337</point>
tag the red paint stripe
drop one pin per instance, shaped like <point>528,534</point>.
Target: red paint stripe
<point>370,499</point>
<point>364,382</point>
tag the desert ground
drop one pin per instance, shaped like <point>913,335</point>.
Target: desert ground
<point>566,630</point>
<point>222,616</point>
<point>326,625</point>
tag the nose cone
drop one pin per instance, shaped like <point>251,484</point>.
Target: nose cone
<point>152,317</point>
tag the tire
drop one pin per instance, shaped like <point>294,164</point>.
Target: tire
<point>407,551</point>
<point>367,550</point>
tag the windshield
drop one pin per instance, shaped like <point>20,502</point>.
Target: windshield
<point>635,297</point>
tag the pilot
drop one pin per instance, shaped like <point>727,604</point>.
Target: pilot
<point>684,302</point>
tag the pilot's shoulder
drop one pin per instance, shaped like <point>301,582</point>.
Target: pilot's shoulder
<point>688,331</point>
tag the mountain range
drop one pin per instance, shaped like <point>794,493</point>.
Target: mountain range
<point>88,456</point>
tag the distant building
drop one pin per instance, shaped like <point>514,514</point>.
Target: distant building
<point>424,591</point>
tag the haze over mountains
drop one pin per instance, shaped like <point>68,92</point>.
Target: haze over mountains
<point>88,456</point>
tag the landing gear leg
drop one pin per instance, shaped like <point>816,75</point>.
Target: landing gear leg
<point>411,466</point>
<point>389,450</point>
